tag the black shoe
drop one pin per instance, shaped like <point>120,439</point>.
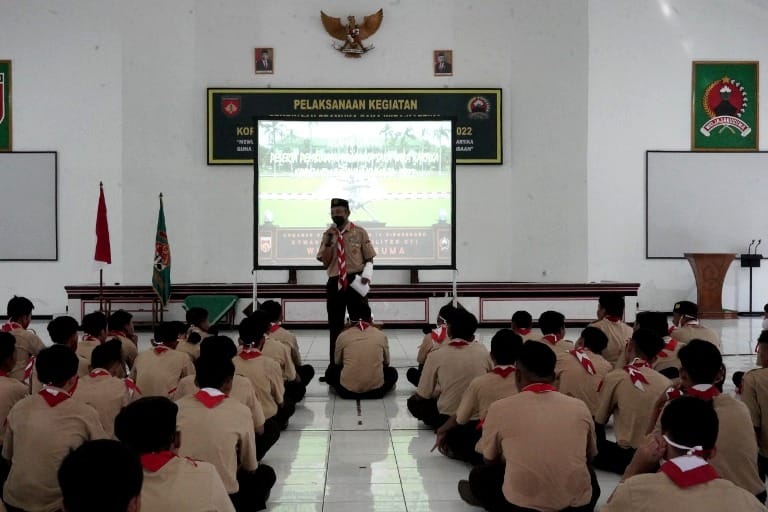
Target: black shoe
<point>466,494</point>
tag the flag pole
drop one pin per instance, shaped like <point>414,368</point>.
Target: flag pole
<point>255,294</point>
<point>101,268</point>
<point>161,302</point>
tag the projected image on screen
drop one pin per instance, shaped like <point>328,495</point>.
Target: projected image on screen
<point>396,175</point>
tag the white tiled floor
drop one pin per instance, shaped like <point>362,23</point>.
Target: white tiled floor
<point>338,457</point>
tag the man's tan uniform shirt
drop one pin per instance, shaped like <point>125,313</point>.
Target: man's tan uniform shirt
<point>483,391</point>
<point>157,371</point>
<point>265,376</point>
<point>357,250</point>
<point>363,354</point>
<point>618,333</point>
<point>574,380</point>
<point>242,391</point>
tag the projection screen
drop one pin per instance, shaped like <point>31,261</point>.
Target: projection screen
<point>398,176</point>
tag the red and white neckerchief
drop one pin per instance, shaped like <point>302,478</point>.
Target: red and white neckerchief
<point>688,470</point>
<point>504,370</point>
<point>703,391</point>
<point>362,325</point>
<point>671,328</point>
<point>633,369</point>
<point>248,353</point>
<point>118,333</point>
<point>341,256</point>
<point>28,368</point>
<point>99,372</point>
<point>689,322</point>
<point>539,387</point>
<point>160,349</point>
<point>612,319</point>
<point>210,397</point>
<point>582,356</point>
<point>54,396</point>
<point>10,326</point>
<point>552,339</point>
<point>439,334</point>
<point>88,337</point>
<point>3,374</point>
<point>458,343</point>
<point>154,462</point>
<point>669,347</point>
<point>523,331</point>
<point>274,326</point>
<point>133,389</point>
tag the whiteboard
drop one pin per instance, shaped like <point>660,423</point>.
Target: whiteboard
<point>28,204</point>
<point>705,202</point>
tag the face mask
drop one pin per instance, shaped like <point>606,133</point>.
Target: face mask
<point>338,220</point>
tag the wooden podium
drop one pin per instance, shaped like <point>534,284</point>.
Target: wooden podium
<point>709,270</point>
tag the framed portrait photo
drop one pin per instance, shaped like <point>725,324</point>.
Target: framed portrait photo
<point>442,60</point>
<point>264,59</point>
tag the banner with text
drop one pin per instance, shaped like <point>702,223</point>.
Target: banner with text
<point>231,134</point>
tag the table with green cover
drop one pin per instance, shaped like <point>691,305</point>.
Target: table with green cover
<point>216,305</point>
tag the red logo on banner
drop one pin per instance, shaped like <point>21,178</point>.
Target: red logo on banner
<point>230,106</point>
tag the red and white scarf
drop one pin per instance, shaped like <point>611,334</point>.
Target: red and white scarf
<point>582,356</point>
<point>458,343</point>
<point>539,387</point>
<point>689,470</point>
<point>248,353</point>
<point>99,372</point>
<point>160,349</point>
<point>154,462</point>
<point>669,347</point>
<point>522,331</point>
<point>132,387</point>
<point>635,375</point>
<point>612,319</point>
<point>439,334</point>
<point>552,339</point>
<point>54,396</point>
<point>210,397</point>
<point>88,337</point>
<point>341,256</point>
<point>10,326</point>
<point>362,325</point>
<point>274,326</point>
<point>28,369</point>
<point>702,391</point>
<point>504,370</point>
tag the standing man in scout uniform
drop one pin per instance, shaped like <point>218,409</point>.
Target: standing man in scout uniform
<point>347,254</point>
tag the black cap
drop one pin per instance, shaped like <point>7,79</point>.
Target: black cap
<point>339,202</point>
<point>686,308</point>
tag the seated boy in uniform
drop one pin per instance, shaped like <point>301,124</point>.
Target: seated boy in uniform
<point>667,362</point>
<point>148,426</point>
<point>120,325</point>
<point>448,371</point>
<point>537,444</point>
<point>552,325</point>
<point>28,344</point>
<point>295,389</point>
<point>42,429</point>
<point>581,370</point>
<point>360,369</point>
<point>522,324</point>
<point>433,339</point>
<point>685,320</point>
<point>63,331</point>
<point>101,476</point>
<point>222,347</point>
<point>457,437</point>
<point>157,371</point>
<point>219,430</point>
<point>629,395</point>
<point>274,312</point>
<point>11,390</point>
<point>736,455</point>
<point>197,331</point>
<point>686,481</point>
<point>263,372</point>
<point>755,396</point>
<point>610,314</point>
<point>94,326</point>
<point>102,389</point>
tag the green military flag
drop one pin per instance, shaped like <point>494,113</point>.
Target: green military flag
<point>161,268</point>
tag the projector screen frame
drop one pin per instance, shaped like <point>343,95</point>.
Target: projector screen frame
<point>453,121</point>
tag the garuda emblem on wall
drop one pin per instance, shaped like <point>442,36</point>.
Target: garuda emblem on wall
<point>352,34</point>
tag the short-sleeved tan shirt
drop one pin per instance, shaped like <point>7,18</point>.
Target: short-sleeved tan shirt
<point>107,394</point>
<point>267,379</point>
<point>37,439</point>
<point>157,373</point>
<point>546,449</point>
<point>288,339</point>
<point>448,372</point>
<point>574,380</point>
<point>428,345</point>
<point>242,391</point>
<point>755,396</point>
<point>28,344</point>
<point>11,391</point>
<point>483,391</point>
<point>357,249</point>
<point>222,435</point>
<point>632,408</point>
<point>690,332</point>
<point>363,354</point>
<point>557,346</point>
<point>668,357</point>
<point>183,484</point>
<point>618,333</point>
<point>653,492</point>
<point>282,354</point>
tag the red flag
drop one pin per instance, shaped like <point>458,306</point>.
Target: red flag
<point>103,250</point>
